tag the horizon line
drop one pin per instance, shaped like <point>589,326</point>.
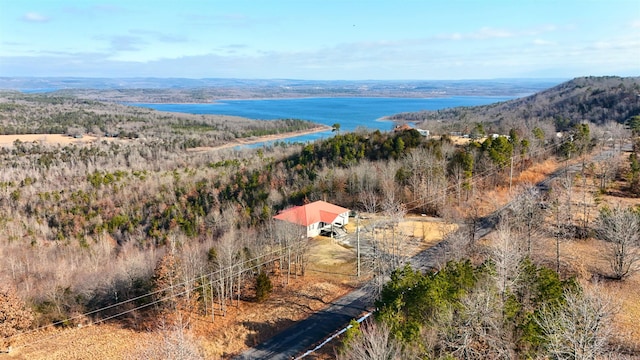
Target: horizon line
<point>294,79</point>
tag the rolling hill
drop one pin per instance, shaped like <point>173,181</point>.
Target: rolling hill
<point>594,99</point>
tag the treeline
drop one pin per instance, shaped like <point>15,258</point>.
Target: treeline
<point>486,300</point>
<point>464,312</point>
<point>136,193</point>
<point>44,114</point>
<point>597,100</point>
<point>139,197</point>
<point>207,90</point>
<point>88,226</point>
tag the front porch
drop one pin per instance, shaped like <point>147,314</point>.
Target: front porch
<point>333,231</point>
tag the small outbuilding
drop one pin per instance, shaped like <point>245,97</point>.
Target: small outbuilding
<point>316,217</point>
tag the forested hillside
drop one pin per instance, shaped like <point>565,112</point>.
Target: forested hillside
<point>53,114</point>
<point>594,99</point>
<point>176,90</point>
<point>139,229</point>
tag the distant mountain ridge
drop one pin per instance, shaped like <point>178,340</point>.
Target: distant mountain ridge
<point>177,90</point>
<point>593,99</point>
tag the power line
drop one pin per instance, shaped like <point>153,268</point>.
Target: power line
<point>184,283</point>
<point>443,194</point>
<point>141,306</point>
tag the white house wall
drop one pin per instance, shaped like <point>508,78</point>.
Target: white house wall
<point>313,230</point>
<point>342,219</point>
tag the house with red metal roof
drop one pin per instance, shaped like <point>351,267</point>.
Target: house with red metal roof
<point>316,216</point>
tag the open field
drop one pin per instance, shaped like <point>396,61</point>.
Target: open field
<point>583,259</point>
<point>430,230</point>
<point>60,139</point>
<point>50,139</point>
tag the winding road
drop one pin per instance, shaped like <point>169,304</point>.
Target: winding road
<point>303,335</point>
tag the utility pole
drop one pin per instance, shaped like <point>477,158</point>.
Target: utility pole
<point>358,240</point>
<point>511,174</point>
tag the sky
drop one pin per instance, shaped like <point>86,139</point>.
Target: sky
<point>320,40</point>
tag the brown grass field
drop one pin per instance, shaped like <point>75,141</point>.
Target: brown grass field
<point>51,139</point>
<point>60,139</point>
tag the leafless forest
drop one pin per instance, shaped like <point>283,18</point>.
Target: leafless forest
<point>137,224</point>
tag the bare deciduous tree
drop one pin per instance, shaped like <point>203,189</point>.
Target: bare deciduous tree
<point>617,133</point>
<point>561,211</point>
<point>369,200</point>
<point>474,328</point>
<point>426,179</point>
<point>363,185</point>
<point>528,214</point>
<point>605,171</point>
<point>294,244</point>
<point>507,256</point>
<point>373,343</point>
<point>579,329</point>
<point>620,228</point>
<point>226,262</point>
<point>176,343</point>
<point>457,246</point>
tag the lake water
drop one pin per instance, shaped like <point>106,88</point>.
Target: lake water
<point>350,113</point>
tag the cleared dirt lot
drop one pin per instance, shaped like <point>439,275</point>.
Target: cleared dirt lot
<point>51,139</point>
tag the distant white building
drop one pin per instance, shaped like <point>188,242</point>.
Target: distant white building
<point>495,136</point>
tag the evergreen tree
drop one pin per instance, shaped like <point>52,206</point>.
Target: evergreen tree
<point>263,286</point>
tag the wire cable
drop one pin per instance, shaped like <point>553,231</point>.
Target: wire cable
<point>184,283</point>
<point>140,306</point>
<point>475,179</point>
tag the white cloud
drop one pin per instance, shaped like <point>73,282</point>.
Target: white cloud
<point>118,43</point>
<point>226,20</point>
<point>539,55</point>
<point>541,30</point>
<point>489,33</point>
<point>35,17</point>
<point>485,33</point>
<point>635,24</point>
<point>160,36</point>
<point>93,10</point>
<point>542,42</point>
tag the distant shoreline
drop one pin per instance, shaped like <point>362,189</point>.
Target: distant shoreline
<point>259,139</point>
<point>61,139</point>
<point>220,101</point>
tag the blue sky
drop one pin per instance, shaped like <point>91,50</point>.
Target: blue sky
<point>325,39</point>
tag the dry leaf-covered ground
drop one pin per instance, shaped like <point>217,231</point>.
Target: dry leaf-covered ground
<point>331,273</point>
